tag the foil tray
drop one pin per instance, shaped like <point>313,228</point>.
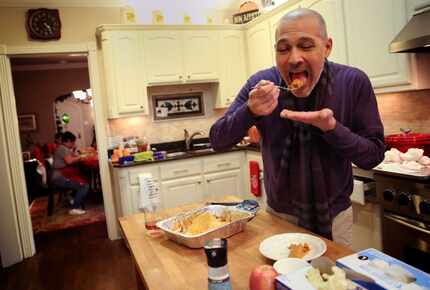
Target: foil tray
<point>198,241</point>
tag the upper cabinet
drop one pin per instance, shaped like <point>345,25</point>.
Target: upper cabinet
<point>163,56</point>
<point>370,27</point>
<point>259,47</point>
<point>180,56</point>
<point>125,78</point>
<point>232,66</point>
<point>201,55</point>
<point>332,11</point>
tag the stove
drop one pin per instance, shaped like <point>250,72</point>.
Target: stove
<point>405,204</point>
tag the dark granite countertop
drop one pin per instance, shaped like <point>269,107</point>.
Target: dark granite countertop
<point>173,147</point>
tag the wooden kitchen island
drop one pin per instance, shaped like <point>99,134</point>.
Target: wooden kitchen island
<point>162,264</point>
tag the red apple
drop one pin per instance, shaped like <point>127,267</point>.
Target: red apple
<point>263,278</point>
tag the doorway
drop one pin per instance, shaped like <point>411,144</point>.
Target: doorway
<point>46,109</point>
<point>16,223</point>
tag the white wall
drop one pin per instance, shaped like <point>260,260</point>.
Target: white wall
<point>174,10</point>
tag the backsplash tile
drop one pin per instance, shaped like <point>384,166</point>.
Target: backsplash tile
<point>405,110</point>
<point>169,130</point>
<point>398,110</point>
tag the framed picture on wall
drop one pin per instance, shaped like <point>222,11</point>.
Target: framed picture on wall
<point>27,122</point>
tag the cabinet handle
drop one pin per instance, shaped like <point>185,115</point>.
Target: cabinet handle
<point>199,182</point>
<point>188,76</point>
<point>208,181</point>
<point>224,164</point>
<point>180,77</point>
<point>180,171</point>
<point>141,107</point>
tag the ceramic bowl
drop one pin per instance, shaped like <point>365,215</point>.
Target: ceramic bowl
<point>288,265</point>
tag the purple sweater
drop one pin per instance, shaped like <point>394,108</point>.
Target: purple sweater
<point>358,136</point>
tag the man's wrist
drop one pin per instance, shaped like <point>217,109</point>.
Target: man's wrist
<point>331,125</point>
<point>251,113</point>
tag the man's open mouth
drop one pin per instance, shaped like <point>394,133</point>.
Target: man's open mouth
<point>298,79</point>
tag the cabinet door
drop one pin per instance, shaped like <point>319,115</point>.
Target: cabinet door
<point>259,47</point>
<point>332,11</point>
<point>163,56</point>
<point>223,183</point>
<point>124,72</point>
<point>370,27</point>
<point>233,67</point>
<point>182,191</point>
<point>200,55</point>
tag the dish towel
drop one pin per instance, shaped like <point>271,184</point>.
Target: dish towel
<point>149,195</point>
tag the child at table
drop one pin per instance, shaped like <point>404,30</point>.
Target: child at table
<point>67,175</point>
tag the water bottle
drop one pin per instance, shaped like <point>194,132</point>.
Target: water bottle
<point>218,275</point>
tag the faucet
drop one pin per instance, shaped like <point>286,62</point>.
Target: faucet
<point>189,138</point>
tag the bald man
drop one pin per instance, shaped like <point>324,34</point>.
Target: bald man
<point>312,132</point>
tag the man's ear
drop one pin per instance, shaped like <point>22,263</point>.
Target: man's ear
<point>328,47</point>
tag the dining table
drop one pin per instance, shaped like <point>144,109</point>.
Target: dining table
<point>161,263</point>
<point>89,164</point>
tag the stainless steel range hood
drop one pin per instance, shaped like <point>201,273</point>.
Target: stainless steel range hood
<point>415,36</point>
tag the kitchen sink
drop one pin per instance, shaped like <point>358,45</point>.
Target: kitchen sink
<point>205,150</point>
<point>176,154</point>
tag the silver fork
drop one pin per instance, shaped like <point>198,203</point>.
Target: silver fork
<point>280,87</point>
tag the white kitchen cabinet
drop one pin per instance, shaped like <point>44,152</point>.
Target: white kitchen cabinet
<point>201,55</point>
<point>259,47</point>
<point>223,183</point>
<point>125,78</point>
<point>177,192</point>
<point>163,56</point>
<point>126,187</point>
<point>332,11</point>
<point>370,27</point>
<point>181,181</point>
<point>232,66</point>
<point>223,174</point>
<point>175,56</point>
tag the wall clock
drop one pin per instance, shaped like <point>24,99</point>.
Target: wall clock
<point>43,24</point>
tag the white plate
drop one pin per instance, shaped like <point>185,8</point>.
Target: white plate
<point>276,247</point>
<point>289,265</point>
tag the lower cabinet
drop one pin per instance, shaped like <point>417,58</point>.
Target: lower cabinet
<point>223,183</point>
<point>177,192</point>
<point>182,181</point>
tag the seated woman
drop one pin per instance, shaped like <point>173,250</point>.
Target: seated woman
<point>66,175</point>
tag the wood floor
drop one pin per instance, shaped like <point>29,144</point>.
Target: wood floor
<point>80,258</point>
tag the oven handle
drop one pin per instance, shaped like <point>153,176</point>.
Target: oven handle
<point>406,222</point>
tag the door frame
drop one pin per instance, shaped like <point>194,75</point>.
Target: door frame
<point>15,188</point>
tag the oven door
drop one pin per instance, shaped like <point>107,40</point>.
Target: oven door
<point>407,240</point>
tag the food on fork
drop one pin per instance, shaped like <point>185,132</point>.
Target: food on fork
<point>298,250</point>
<point>296,84</point>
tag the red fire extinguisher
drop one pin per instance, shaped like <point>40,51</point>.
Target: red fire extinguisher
<point>254,172</point>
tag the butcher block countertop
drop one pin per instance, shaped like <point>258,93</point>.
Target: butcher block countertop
<point>163,264</point>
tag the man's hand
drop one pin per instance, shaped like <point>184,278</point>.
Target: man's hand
<point>322,119</point>
<point>263,99</point>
